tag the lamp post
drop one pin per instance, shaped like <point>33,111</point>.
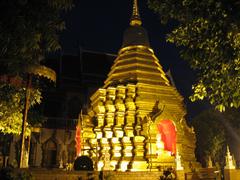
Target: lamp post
<point>37,70</point>
<point>24,122</point>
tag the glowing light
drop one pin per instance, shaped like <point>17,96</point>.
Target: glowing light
<point>100,165</point>
<point>109,134</point>
<point>124,165</point>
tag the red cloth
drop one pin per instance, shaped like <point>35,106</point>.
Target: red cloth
<point>168,135</point>
<point>78,140</point>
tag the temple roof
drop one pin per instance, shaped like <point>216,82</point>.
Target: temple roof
<point>136,62</point>
<point>135,35</point>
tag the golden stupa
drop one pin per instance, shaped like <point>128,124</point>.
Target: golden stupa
<point>136,120</point>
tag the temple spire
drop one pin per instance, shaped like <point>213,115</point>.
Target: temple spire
<point>135,19</point>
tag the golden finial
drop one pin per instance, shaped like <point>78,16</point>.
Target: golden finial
<point>135,19</point>
<point>135,8</point>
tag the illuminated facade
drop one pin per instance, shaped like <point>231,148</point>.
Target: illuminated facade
<point>136,120</point>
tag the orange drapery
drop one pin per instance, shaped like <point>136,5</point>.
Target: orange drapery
<point>78,140</point>
<point>168,134</point>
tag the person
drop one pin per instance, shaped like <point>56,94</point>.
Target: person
<point>168,174</point>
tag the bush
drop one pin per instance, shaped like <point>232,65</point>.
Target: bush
<point>83,163</point>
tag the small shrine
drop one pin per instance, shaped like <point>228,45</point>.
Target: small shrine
<point>230,164</point>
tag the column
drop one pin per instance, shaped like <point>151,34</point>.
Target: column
<point>127,153</point>
<point>138,163</point>
<point>110,112</point>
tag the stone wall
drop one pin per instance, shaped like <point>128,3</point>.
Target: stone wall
<point>115,175</point>
<point>43,174</point>
<point>40,174</point>
<point>232,174</point>
<point>63,140</point>
<point>57,174</point>
<point>204,174</point>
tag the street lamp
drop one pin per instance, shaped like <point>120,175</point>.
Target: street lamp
<point>36,70</point>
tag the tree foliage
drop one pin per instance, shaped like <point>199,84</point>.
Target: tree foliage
<point>11,108</point>
<point>28,31</point>
<point>208,33</point>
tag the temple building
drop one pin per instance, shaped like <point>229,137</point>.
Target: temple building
<point>136,122</point>
<point>53,143</point>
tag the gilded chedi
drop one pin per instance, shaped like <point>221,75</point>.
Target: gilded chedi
<point>136,120</point>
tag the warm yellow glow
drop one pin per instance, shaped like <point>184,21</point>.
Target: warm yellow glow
<point>135,22</point>
<point>109,134</point>
<point>160,148</point>
<point>115,140</point>
<point>100,165</point>
<point>98,135</point>
<point>132,94</point>
<point>119,133</point>
<point>113,164</point>
<point>128,48</point>
<point>159,143</point>
<point>124,165</point>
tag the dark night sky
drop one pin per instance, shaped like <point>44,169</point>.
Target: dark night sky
<point>99,25</point>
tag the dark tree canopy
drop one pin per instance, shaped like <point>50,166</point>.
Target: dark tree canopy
<point>211,137</point>
<point>208,33</point>
<point>214,131</point>
<point>28,30</point>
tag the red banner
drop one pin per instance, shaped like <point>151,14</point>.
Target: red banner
<point>168,134</point>
<point>78,139</point>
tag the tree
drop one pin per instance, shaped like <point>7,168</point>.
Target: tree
<point>28,31</point>
<point>12,103</point>
<point>214,130</point>
<point>208,34</point>
<point>210,137</point>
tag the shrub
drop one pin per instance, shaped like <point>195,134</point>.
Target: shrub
<point>83,163</point>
